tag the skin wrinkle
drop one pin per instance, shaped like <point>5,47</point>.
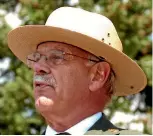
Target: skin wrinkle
<point>58,47</point>
<point>71,101</point>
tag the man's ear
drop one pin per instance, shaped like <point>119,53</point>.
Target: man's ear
<point>98,75</point>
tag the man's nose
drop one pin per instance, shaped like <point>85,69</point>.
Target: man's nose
<point>41,68</point>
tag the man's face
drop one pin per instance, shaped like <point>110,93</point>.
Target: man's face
<point>59,89</point>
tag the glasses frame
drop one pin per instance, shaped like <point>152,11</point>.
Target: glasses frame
<point>100,59</point>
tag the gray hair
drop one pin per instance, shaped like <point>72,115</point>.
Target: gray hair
<point>110,83</point>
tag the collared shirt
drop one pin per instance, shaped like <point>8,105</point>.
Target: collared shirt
<point>80,128</point>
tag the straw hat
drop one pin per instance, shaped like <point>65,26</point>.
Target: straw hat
<point>90,31</point>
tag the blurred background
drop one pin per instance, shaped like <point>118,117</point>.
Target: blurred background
<point>133,21</point>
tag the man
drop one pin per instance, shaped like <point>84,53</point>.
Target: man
<point>78,66</point>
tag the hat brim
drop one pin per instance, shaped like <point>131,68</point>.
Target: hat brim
<point>130,79</point>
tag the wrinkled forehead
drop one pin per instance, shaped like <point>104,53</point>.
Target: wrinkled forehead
<point>49,45</point>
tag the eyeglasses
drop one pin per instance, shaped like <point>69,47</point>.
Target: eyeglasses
<point>55,57</point>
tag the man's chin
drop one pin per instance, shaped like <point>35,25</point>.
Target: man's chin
<point>43,103</point>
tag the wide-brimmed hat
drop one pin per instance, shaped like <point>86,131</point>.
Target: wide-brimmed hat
<point>89,31</point>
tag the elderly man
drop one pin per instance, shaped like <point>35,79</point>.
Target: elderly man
<point>78,66</point>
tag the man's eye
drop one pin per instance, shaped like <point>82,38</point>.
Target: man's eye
<point>56,57</point>
<point>36,56</point>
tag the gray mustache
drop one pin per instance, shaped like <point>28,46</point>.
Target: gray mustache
<point>48,80</point>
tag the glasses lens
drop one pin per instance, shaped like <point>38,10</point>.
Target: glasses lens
<point>36,56</point>
<point>55,56</point>
<point>32,58</point>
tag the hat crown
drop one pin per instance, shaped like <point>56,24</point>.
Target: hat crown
<point>91,24</point>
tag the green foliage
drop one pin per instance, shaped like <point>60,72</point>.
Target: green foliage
<point>17,105</point>
<point>146,63</point>
<point>132,19</point>
<point>4,28</point>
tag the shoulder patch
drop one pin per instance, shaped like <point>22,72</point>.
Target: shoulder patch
<point>114,131</point>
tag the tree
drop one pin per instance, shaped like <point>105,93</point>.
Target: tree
<point>132,19</point>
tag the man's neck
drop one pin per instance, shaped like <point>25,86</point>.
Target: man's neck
<point>60,124</point>
<point>80,128</point>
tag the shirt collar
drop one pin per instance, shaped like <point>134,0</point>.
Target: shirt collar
<point>80,128</point>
